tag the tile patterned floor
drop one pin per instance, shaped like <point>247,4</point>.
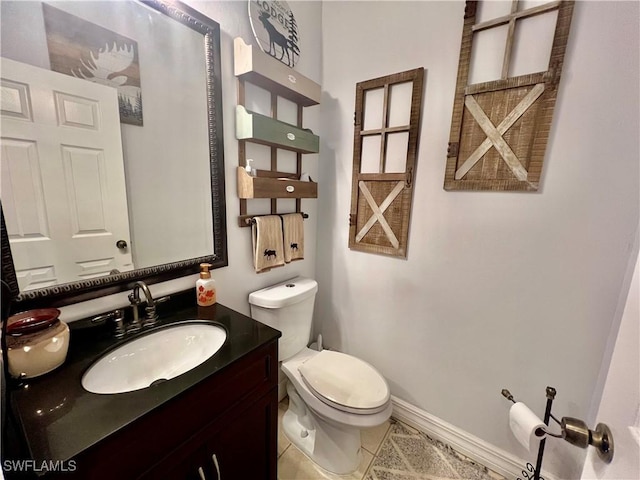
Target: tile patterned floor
<point>392,451</point>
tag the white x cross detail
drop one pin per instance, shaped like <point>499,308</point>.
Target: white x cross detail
<point>378,213</point>
<point>494,135</point>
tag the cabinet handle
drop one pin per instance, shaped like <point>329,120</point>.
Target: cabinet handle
<point>201,473</point>
<point>215,462</point>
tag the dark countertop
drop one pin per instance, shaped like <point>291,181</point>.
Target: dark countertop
<point>59,419</point>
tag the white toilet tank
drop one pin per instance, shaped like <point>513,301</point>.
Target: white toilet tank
<point>288,307</point>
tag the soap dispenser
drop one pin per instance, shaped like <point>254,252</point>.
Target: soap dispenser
<point>249,169</point>
<point>205,286</point>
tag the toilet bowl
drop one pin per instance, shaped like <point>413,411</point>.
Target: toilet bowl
<point>332,396</point>
<point>338,385</point>
<point>328,432</point>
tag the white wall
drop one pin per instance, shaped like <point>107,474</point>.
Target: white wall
<point>514,290</point>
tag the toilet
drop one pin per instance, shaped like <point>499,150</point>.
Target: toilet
<point>332,396</point>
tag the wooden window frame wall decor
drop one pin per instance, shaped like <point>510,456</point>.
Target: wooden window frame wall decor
<point>500,128</point>
<point>381,202</point>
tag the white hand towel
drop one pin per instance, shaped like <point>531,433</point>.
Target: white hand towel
<point>266,235</point>
<point>293,232</point>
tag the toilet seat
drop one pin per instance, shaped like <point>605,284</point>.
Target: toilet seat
<point>345,382</point>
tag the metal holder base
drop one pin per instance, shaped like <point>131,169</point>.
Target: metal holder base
<point>574,431</point>
<point>602,440</point>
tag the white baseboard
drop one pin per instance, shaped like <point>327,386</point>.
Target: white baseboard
<point>494,458</point>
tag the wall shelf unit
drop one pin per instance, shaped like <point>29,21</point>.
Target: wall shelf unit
<point>260,69</point>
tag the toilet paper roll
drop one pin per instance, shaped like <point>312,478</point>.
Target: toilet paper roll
<point>527,427</point>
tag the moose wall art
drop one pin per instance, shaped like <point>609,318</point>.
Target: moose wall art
<point>84,50</point>
<point>275,29</point>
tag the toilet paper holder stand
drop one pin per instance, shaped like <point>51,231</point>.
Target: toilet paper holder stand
<point>574,431</point>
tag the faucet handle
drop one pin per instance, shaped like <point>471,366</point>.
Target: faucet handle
<point>162,299</point>
<point>134,325</point>
<point>118,320</point>
<point>134,299</point>
<point>151,317</point>
<point>117,317</point>
<point>102,319</point>
<point>151,314</point>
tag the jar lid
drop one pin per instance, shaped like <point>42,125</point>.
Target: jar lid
<point>31,321</point>
<point>33,339</point>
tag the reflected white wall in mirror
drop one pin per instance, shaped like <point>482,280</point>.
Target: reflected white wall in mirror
<point>167,158</point>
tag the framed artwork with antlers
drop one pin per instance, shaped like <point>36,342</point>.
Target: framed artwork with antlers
<point>85,50</point>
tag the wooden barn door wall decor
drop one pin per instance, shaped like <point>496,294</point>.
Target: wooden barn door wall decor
<point>387,122</point>
<point>500,127</point>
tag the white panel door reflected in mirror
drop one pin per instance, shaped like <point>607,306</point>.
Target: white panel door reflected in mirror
<point>63,185</point>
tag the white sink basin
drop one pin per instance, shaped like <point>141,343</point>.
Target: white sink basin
<point>155,357</point>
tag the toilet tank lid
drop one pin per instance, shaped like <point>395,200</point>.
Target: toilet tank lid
<point>286,293</point>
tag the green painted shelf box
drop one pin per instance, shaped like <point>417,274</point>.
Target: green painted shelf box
<point>274,133</point>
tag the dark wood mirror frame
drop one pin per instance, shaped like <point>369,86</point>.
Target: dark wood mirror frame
<point>74,292</point>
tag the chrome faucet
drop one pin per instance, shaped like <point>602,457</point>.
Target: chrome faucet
<point>150,310</point>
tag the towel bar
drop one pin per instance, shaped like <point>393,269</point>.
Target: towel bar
<point>248,220</point>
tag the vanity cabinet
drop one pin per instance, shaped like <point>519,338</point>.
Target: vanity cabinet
<point>230,418</point>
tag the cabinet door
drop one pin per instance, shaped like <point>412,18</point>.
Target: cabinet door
<point>245,446</point>
<point>186,463</point>
<point>189,470</point>
<point>241,445</point>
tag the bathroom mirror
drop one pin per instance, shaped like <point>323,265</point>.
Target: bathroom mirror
<point>172,152</point>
